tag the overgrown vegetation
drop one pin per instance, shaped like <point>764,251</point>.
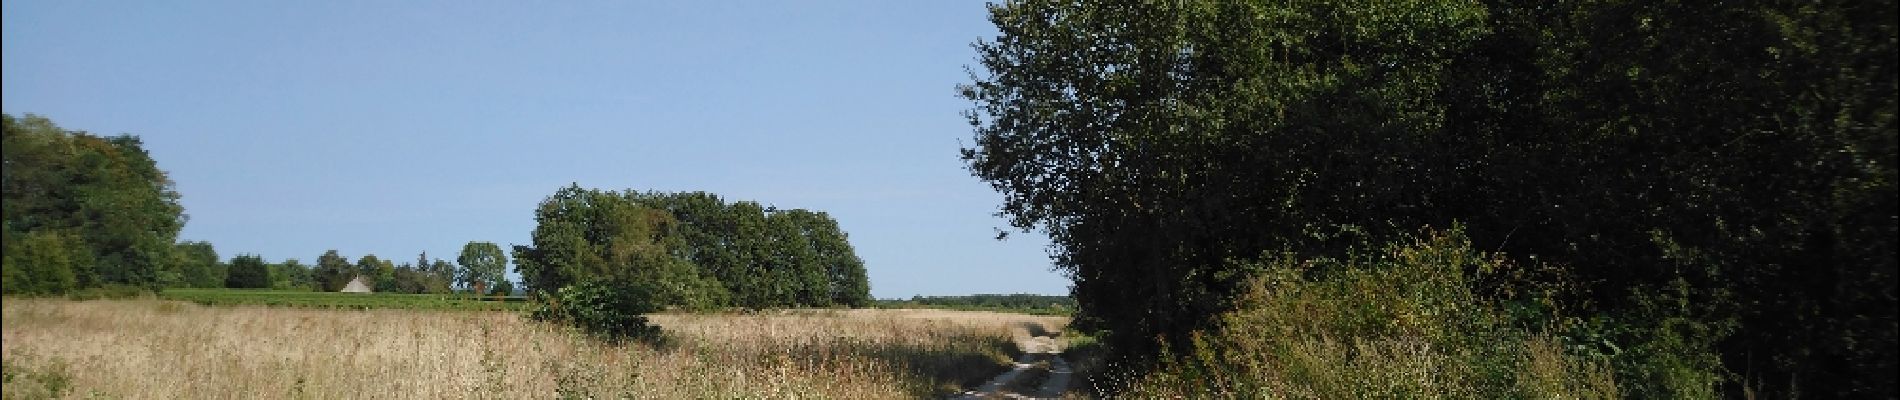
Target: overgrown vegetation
<point>1431,318</point>
<point>1716,176</point>
<point>29,377</point>
<point>613,310</point>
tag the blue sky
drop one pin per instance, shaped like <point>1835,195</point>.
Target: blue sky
<point>395,127</point>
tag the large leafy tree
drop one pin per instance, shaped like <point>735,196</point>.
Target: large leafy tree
<point>746,268</point>
<point>791,265</point>
<point>692,249</point>
<point>845,279</point>
<point>1729,168</point>
<point>105,193</point>
<point>590,235</point>
<point>483,265</point>
<point>765,256</point>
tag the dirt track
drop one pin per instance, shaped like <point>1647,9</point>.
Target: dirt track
<point>1042,357</point>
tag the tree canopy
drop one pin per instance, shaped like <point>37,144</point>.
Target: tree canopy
<point>332,273</point>
<point>198,265</point>
<point>248,271</point>
<point>96,208</point>
<point>696,250</point>
<point>1729,165</point>
<point>483,265</point>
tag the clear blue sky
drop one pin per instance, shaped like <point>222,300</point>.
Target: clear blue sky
<point>395,127</point>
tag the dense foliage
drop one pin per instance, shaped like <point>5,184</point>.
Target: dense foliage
<point>196,264</point>
<point>248,271</point>
<point>614,309</point>
<point>332,273</point>
<point>1721,177</point>
<point>1400,320</point>
<point>694,249</point>
<point>483,265</point>
<point>82,210</point>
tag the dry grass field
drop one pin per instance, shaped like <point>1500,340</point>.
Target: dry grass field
<point>168,349</point>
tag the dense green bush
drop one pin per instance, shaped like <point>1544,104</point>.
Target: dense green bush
<point>606,308</point>
<point>696,250</point>
<point>1427,317</point>
<point>42,263</point>
<point>248,271</point>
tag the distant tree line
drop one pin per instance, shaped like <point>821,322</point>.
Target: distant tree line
<point>988,301</point>
<point>1720,177</point>
<point>692,250</point>
<point>474,274</point>
<point>84,211</point>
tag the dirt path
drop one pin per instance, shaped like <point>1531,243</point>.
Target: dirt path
<point>1041,359</point>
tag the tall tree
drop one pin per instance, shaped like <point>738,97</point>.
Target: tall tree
<point>590,235</point>
<point>483,265</point>
<point>1741,152</point>
<point>106,191</point>
<point>846,281</point>
<point>749,273</point>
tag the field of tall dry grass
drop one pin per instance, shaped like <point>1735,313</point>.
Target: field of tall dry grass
<point>165,349</point>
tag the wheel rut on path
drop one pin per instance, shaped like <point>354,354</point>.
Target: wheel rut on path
<point>1039,353</point>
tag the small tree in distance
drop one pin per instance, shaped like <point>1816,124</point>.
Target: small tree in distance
<point>248,271</point>
<point>483,264</point>
<point>332,273</point>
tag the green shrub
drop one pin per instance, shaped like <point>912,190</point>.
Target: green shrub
<point>1431,317</point>
<point>248,271</point>
<point>1403,321</point>
<point>43,263</point>
<point>608,309</point>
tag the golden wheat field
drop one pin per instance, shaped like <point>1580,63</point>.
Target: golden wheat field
<point>171,350</point>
